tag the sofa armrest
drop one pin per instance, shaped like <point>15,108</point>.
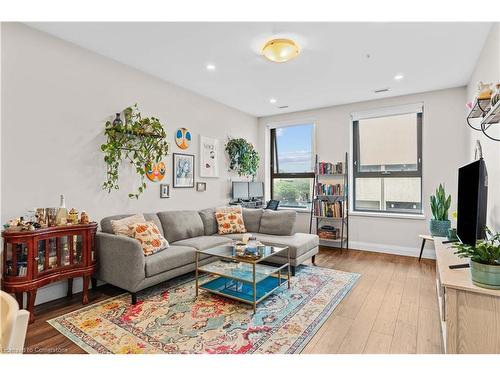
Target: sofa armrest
<point>120,260</point>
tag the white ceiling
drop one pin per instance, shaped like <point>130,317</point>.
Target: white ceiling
<point>332,68</point>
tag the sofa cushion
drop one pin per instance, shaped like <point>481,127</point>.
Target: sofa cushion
<point>168,259</point>
<point>280,223</point>
<point>108,228</point>
<point>299,243</point>
<point>204,242</point>
<point>252,217</point>
<point>149,236</point>
<point>209,222</point>
<point>179,225</point>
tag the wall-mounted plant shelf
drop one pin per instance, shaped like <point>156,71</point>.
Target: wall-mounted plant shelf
<point>489,116</point>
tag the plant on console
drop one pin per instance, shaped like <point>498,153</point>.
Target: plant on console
<point>140,141</point>
<point>440,205</point>
<point>484,260</point>
<point>243,158</point>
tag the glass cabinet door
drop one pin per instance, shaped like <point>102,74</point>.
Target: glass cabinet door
<point>64,246</point>
<point>41,248</point>
<point>16,259</point>
<point>77,249</point>
<point>52,252</point>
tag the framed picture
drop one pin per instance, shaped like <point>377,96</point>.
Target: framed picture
<point>164,191</point>
<point>201,186</point>
<point>183,170</point>
<point>209,157</point>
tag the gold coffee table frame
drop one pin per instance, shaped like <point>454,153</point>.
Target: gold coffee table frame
<point>242,269</point>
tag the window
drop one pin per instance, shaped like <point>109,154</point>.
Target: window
<point>292,165</point>
<point>387,163</point>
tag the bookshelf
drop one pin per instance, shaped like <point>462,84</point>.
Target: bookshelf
<point>330,211</point>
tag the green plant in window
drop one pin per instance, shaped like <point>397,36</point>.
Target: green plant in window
<point>243,158</point>
<point>139,140</point>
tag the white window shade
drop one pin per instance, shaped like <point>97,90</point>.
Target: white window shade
<point>388,140</point>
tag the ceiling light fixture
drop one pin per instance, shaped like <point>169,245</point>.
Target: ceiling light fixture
<point>272,100</point>
<point>399,77</point>
<point>280,50</point>
<point>210,67</point>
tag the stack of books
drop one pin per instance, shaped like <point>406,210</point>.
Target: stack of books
<point>327,232</point>
<point>329,189</point>
<point>328,209</point>
<point>330,168</point>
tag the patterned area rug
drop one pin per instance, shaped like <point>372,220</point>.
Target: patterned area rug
<point>168,318</point>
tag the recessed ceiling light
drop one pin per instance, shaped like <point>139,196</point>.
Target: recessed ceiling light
<point>272,100</point>
<point>280,50</point>
<point>399,77</point>
<point>210,67</point>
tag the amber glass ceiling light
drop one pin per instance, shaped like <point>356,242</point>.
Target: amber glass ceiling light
<point>281,50</point>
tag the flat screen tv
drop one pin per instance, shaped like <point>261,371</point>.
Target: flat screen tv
<point>472,199</point>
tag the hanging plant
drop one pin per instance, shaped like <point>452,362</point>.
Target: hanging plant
<point>140,141</point>
<point>243,159</point>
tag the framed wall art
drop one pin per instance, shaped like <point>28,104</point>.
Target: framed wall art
<point>209,157</point>
<point>183,170</point>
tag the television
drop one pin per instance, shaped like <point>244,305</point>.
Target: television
<point>255,189</point>
<point>240,190</point>
<point>472,199</point>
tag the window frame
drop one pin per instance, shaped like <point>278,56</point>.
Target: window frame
<point>274,162</point>
<point>386,174</point>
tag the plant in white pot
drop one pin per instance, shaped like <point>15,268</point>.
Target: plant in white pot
<point>484,260</point>
<point>440,205</point>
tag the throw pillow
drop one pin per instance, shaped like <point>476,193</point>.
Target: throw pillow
<point>230,222</point>
<point>228,209</point>
<point>149,236</point>
<point>121,227</point>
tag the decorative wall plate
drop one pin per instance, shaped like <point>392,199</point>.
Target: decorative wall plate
<point>156,171</point>
<point>183,138</point>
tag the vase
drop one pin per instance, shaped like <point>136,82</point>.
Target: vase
<point>485,275</point>
<point>439,228</point>
<point>117,121</point>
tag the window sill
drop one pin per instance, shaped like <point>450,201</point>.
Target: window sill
<point>388,215</point>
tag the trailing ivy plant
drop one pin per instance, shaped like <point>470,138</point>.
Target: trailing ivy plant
<point>243,158</point>
<point>138,140</point>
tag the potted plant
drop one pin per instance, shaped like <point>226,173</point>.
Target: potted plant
<point>484,260</point>
<point>243,158</point>
<point>139,141</point>
<point>440,205</point>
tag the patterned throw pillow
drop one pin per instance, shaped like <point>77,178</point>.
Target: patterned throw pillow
<point>230,222</point>
<point>149,236</point>
<point>121,227</point>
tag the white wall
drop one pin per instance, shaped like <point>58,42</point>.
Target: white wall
<point>56,98</point>
<point>488,70</point>
<point>445,148</point>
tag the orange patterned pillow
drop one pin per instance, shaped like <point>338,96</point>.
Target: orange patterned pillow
<point>149,236</point>
<point>230,222</point>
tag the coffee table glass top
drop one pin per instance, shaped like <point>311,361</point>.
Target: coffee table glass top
<point>229,252</point>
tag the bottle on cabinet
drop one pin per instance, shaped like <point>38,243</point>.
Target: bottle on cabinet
<point>62,213</point>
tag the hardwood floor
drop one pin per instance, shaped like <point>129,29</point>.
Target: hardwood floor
<point>392,309</point>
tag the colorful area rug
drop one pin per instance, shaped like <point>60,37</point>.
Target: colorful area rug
<point>169,319</point>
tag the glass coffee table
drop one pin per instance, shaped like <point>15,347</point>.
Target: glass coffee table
<point>241,278</point>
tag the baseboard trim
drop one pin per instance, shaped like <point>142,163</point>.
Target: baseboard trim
<point>391,249</point>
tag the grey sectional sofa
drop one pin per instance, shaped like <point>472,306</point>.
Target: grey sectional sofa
<point>121,261</point>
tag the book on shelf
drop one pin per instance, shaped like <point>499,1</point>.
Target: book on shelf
<point>328,209</point>
<point>329,189</point>
<point>330,168</point>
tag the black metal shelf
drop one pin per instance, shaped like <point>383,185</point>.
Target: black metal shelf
<point>489,116</point>
<point>343,240</point>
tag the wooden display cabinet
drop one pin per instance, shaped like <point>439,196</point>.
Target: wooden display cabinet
<point>32,259</point>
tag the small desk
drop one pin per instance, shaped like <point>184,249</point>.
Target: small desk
<point>469,314</point>
<point>424,238</point>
